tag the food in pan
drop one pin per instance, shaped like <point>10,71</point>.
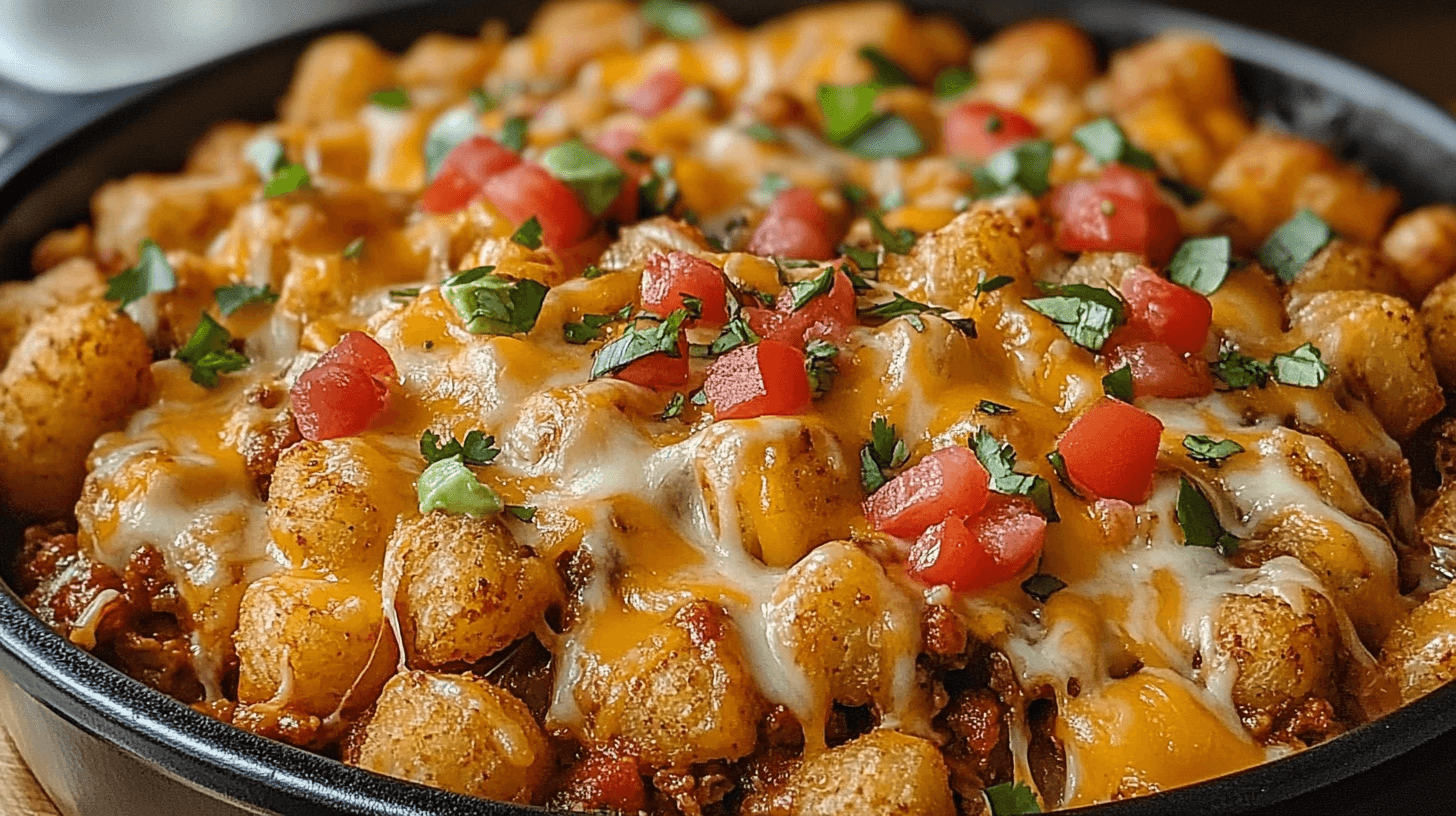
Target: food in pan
<point>648,414</point>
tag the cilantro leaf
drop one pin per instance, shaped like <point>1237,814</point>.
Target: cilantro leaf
<point>232,298</point>
<point>1238,370</point>
<point>999,459</point>
<point>890,136</point>
<point>450,129</point>
<point>592,272</point>
<point>898,307</point>
<point>1294,243</point>
<point>674,407</point>
<point>484,102</point>
<point>596,179</point>
<point>1210,451</point>
<point>286,179</point>
<point>637,342</point>
<point>735,333</point>
<point>451,486</point>
<point>885,451</point>
<point>1107,143</point>
<point>953,82</point>
<point>522,512</point>
<point>591,326</point>
<point>1022,167</point>
<point>887,72</point>
<point>391,99</point>
<point>477,449</point>
<point>1059,467</point>
<point>806,290</point>
<point>992,408</point>
<point>208,354</point>
<point>819,364</point>
<point>1086,314</point>
<point>676,19</point>
<point>659,191</point>
<point>986,286</point>
<point>513,134</point>
<point>1011,799</point>
<point>848,110</point>
<point>354,250</point>
<point>528,234</point>
<point>1118,384</point>
<point>899,241</point>
<point>151,273</point>
<point>1202,264</point>
<point>1042,586</point>
<point>1302,367</point>
<point>1185,193</point>
<point>494,304</point>
<point>404,294</point>
<point>1199,522</point>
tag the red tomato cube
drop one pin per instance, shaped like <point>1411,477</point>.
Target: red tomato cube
<point>1161,310</point>
<point>333,400</point>
<point>795,226</point>
<point>1098,221</point>
<point>667,278</point>
<point>361,351</point>
<point>1158,371</point>
<point>1111,451</point>
<point>947,482</point>
<point>767,377</point>
<point>979,130</point>
<point>658,93</point>
<point>527,190</point>
<point>967,555</point>
<point>615,144</point>
<point>463,174</point>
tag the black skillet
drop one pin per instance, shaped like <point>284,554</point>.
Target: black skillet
<point>102,743</point>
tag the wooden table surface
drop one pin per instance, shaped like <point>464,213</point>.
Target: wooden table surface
<point>19,793</point>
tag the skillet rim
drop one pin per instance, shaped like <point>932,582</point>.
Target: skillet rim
<point>255,772</point>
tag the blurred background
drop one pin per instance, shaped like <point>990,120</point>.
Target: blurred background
<point>78,45</point>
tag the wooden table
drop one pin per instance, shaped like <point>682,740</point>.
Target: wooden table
<point>19,793</point>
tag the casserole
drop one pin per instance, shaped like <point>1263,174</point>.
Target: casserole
<point>1374,159</point>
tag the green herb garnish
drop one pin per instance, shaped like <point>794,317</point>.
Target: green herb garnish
<point>513,134</point>
<point>596,179</point>
<point>354,250</point>
<point>232,298</point>
<point>993,408</point>
<point>1202,264</point>
<point>674,407</point>
<point>806,290</point>
<point>151,273</point>
<point>676,19</point>
<point>286,179</point>
<point>447,133</point>
<point>1294,243</point>
<point>1199,522</point>
<point>208,353</point>
<point>1011,799</point>
<point>1042,586</point>
<point>522,512</point>
<point>762,132</point>
<point>476,449</point>
<point>898,241</point>
<point>494,304</point>
<point>638,342</point>
<point>1302,367</point>
<point>819,364</point>
<point>1086,314</point>
<point>735,333</point>
<point>885,451</point>
<point>451,486</point>
<point>887,72</point>
<point>1238,370</point>
<point>391,99</point>
<point>591,326</point>
<point>1210,451</point>
<point>528,234</point>
<point>953,82</point>
<point>1118,384</point>
<point>999,459</point>
<point>1022,167</point>
<point>1107,143</point>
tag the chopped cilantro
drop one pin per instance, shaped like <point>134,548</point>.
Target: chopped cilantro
<point>986,286</point>
<point>891,136</point>
<point>1011,799</point>
<point>1118,384</point>
<point>513,134</point>
<point>1199,522</point>
<point>483,101</point>
<point>885,451</point>
<point>736,333</point>
<point>819,364</point>
<point>865,259</point>
<point>286,179</point>
<point>1210,451</point>
<point>1202,264</point>
<point>476,449</point>
<point>1059,467</point>
<point>528,234</point>
<point>591,326</point>
<point>451,486</point>
<point>1085,313</point>
<point>676,19</point>
<point>762,132</point>
<point>992,408</point>
<point>450,129</point>
<point>1238,370</point>
<point>208,353</point>
<point>953,82</point>
<point>354,250</point>
<point>1042,586</point>
<point>232,298</point>
<point>494,304</point>
<point>592,272</point>
<point>522,512</point>
<point>851,121</point>
<point>887,72</point>
<point>391,99</point>
<point>1022,167</point>
<point>596,179</point>
<point>1293,243</point>
<point>659,191</point>
<point>1107,143</point>
<point>999,459</point>
<point>638,342</point>
<point>404,294</point>
<point>1302,367</point>
<point>806,290</point>
<point>899,306</point>
<point>1185,193</point>
<point>151,273</point>
<point>674,407</point>
<point>898,241</point>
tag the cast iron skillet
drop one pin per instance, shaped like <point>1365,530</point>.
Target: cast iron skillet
<point>102,743</point>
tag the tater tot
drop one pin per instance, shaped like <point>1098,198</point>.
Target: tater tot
<point>178,212</point>
<point>651,698</point>
<point>1438,316</point>
<point>882,772</point>
<point>1420,654</point>
<point>453,64</point>
<point>463,587</point>
<point>304,641</point>
<point>456,732</point>
<point>1346,266</point>
<point>1188,67</point>
<point>334,78</point>
<point>1378,344</point>
<point>1352,203</point>
<point>1422,243</point>
<point>22,303</point>
<point>1040,51</point>
<point>1282,654</point>
<point>74,376</point>
<point>944,266</point>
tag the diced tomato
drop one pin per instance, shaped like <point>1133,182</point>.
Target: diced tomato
<point>463,174</point>
<point>1111,451</point>
<point>604,782</point>
<point>826,317</point>
<point>767,377</point>
<point>979,130</point>
<point>967,555</point>
<point>669,277</point>
<point>1158,371</point>
<point>526,190</point>
<point>659,370</point>
<point>1119,212</point>
<point>947,482</point>
<point>795,226</point>
<point>615,144</point>
<point>658,93</point>
<point>1161,310</point>
<point>361,351</point>
<point>333,400</point>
